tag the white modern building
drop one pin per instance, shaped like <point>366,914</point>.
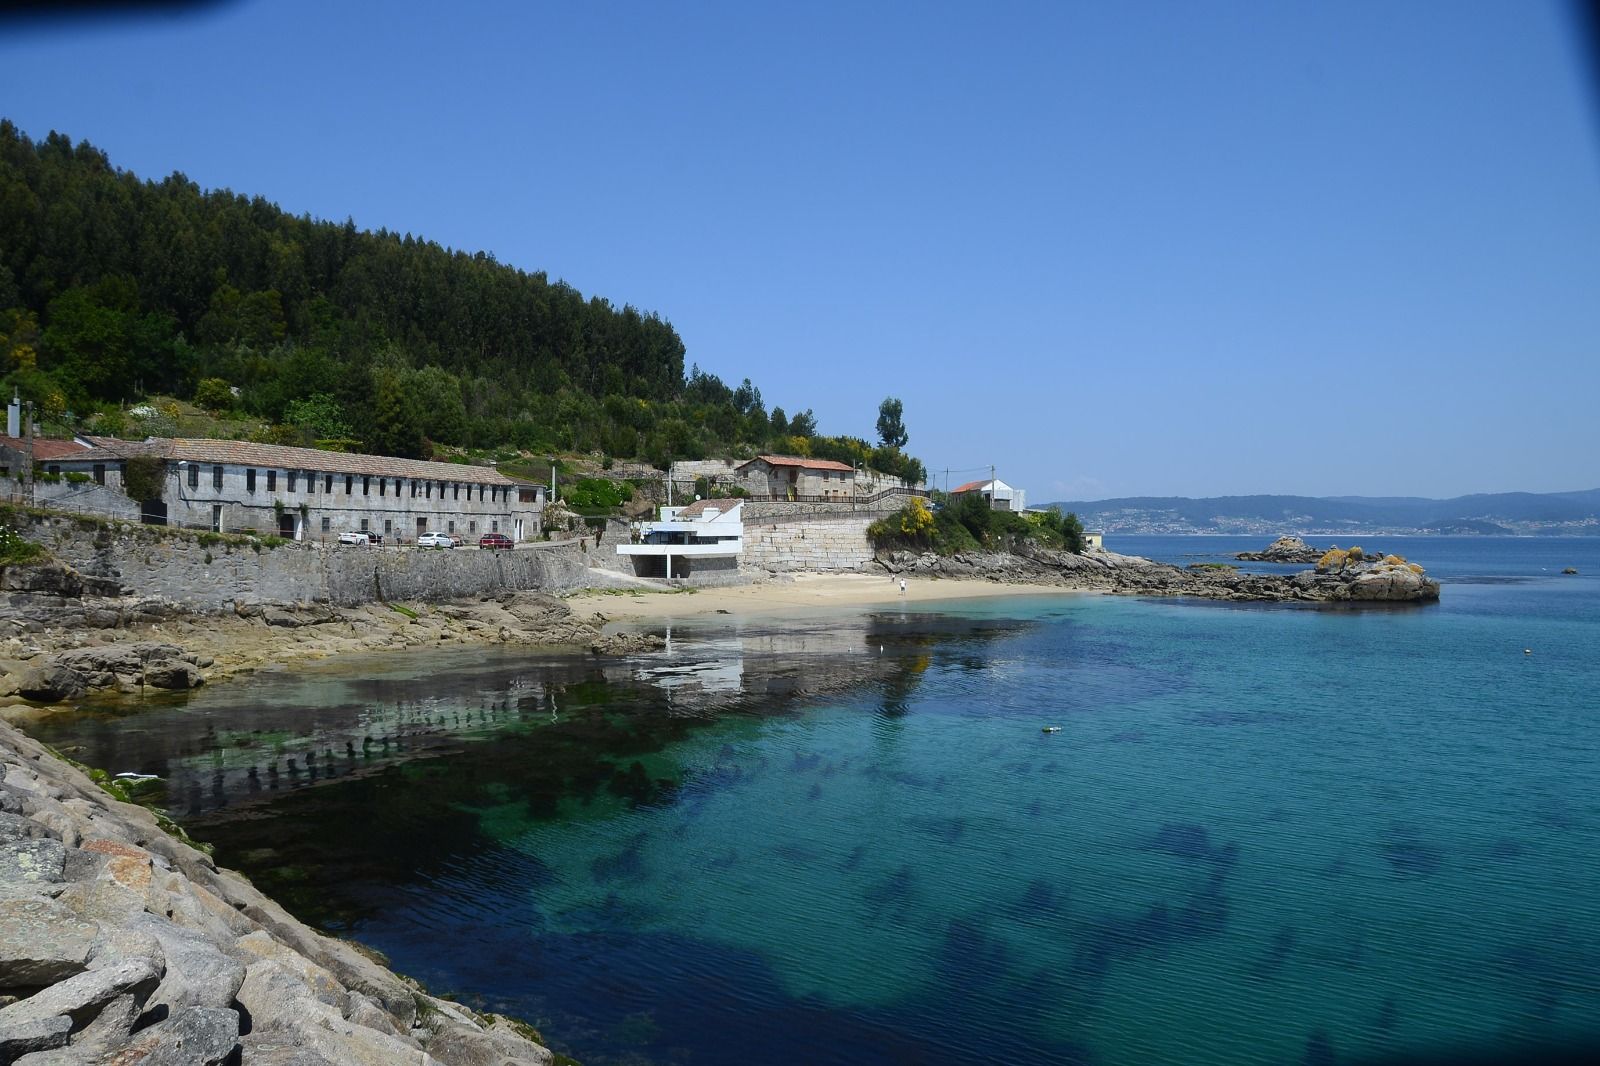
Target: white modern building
<point>707,535</point>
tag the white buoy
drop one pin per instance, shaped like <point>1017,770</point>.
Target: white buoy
<point>1527,651</point>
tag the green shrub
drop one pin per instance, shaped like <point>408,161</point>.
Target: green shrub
<point>594,495</point>
<point>77,477</point>
<point>15,550</point>
<point>142,477</point>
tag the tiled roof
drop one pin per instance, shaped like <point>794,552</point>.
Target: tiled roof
<point>800,461</point>
<point>45,447</point>
<point>971,486</point>
<point>700,507</point>
<point>277,456</point>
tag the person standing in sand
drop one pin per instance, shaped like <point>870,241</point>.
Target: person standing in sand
<point>902,586</point>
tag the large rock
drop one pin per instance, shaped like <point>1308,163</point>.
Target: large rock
<point>283,1010</point>
<point>1284,550</point>
<point>198,973</point>
<point>42,942</point>
<point>117,991</point>
<point>192,1036</point>
<point>37,1034</point>
<point>32,861</point>
<point>51,683</point>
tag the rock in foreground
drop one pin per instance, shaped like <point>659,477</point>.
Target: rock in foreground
<point>121,944</point>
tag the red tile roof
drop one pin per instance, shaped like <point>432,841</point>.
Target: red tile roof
<point>277,456</point>
<point>45,447</point>
<point>971,486</point>
<point>800,461</point>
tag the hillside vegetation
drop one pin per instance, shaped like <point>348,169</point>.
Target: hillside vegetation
<point>114,288</point>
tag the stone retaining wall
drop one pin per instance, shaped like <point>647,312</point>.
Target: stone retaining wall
<point>204,574</point>
<point>811,542</point>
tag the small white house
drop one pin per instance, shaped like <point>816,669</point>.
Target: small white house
<point>1001,497</point>
<point>707,535</point>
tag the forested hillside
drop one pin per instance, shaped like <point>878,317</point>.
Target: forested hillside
<point>113,288</point>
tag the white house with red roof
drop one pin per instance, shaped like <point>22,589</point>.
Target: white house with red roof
<point>1001,497</point>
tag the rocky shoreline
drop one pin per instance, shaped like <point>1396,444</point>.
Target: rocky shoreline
<point>120,943</point>
<point>63,637</point>
<point>1351,581</point>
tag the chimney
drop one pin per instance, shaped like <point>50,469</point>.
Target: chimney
<point>14,416</point>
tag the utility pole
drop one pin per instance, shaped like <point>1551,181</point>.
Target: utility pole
<point>27,463</point>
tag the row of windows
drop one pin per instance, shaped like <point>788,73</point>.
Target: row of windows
<point>383,484</point>
<point>388,526</point>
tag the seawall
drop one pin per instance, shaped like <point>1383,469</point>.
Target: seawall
<point>207,573</point>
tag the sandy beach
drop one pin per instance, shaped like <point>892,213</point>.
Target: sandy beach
<point>805,592</point>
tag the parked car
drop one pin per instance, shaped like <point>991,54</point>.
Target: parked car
<point>354,536</point>
<point>436,540</point>
<point>376,538</point>
<point>495,540</point>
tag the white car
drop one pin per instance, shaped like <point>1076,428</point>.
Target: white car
<point>436,540</point>
<point>354,536</point>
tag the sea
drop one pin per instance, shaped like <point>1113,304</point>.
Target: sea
<point>1036,829</point>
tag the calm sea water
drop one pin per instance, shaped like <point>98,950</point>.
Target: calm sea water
<point>1262,835</point>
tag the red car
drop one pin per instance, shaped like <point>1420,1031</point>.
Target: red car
<point>494,540</point>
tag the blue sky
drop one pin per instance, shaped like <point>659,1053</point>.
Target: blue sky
<point>1113,249</point>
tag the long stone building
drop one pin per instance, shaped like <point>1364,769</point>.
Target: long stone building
<point>301,493</point>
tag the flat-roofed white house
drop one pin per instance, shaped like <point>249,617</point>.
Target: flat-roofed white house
<point>707,535</point>
<point>1001,497</point>
<point>306,493</point>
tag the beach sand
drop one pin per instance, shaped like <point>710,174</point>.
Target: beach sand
<point>804,593</point>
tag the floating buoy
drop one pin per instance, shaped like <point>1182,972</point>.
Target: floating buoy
<point>1527,651</point>
<point>1052,729</point>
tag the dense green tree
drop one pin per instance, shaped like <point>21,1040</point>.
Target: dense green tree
<point>891,429</point>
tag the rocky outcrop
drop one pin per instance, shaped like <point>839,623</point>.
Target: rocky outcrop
<point>193,648</point>
<point>121,944</point>
<point>1283,550</point>
<point>1365,582</point>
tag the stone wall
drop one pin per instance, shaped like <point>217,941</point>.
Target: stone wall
<point>822,543</point>
<point>95,499</point>
<point>755,510</point>
<point>207,574</point>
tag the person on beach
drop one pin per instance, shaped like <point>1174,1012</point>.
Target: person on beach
<point>902,586</point>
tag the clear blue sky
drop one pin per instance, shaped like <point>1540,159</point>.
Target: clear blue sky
<point>1114,249</point>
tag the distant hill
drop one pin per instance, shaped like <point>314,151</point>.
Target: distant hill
<point>1485,513</point>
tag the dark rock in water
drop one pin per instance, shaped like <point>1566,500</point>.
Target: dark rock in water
<point>1283,550</point>
<point>1570,570</point>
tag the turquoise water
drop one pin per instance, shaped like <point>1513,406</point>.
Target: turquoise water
<point>1262,835</point>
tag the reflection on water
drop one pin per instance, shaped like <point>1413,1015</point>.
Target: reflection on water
<point>1260,836</point>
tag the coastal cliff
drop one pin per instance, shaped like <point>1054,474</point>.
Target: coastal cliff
<point>1357,581</point>
<point>121,943</point>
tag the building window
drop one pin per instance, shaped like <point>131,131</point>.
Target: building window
<point>364,522</point>
<point>472,527</point>
<point>194,476</point>
<point>427,490</point>
<point>349,484</point>
<point>99,473</point>
<point>413,490</point>
<point>457,494</point>
<point>216,518</point>
<point>494,527</point>
<point>388,525</point>
<point>311,481</point>
<point>292,475</point>
<point>327,484</point>
<point>250,480</point>
<point>216,476</point>
<point>366,485</point>
<point>452,528</point>
<point>383,486</point>
<point>441,490</point>
<point>272,480</point>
